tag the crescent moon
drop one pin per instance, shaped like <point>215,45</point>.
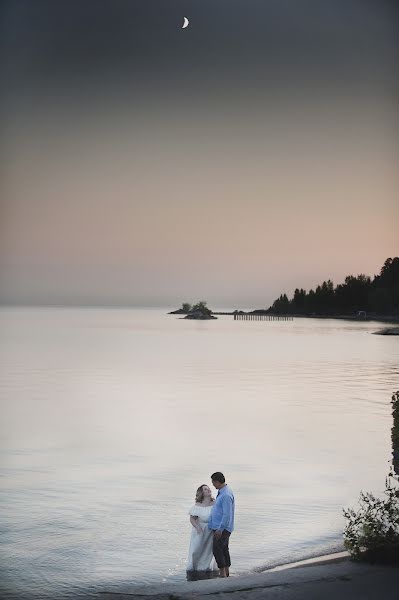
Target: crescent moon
<point>185,23</point>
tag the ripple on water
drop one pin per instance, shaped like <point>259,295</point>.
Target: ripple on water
<point>112,421</point>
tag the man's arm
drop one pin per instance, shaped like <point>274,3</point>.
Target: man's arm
<point>227,509</point>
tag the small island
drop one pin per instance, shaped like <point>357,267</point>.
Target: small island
<point>198,311</point>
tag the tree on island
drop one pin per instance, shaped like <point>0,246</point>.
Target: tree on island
<point>357,293</point>
<point>195,311</point>
<point>201,308</point>
<point>200,311</point>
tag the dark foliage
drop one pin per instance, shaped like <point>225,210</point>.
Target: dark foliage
<point>371,532</point>
<point>358,293</point>
<point>395,432</point>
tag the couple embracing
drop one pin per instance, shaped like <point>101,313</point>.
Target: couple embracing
<point>213,522</point>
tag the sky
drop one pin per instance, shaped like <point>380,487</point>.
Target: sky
<point>251,153</point>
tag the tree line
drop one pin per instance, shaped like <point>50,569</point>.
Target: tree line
<point>379,295</point>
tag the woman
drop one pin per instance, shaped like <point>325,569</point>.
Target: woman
<point>200,555</point>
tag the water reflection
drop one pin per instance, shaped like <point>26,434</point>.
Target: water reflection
<point>111,418</point>
<point>198,575</point>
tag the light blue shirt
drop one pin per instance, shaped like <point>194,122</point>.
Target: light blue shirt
<point>222,513</point>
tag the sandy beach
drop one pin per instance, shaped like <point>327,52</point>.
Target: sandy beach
<point>326,578</point>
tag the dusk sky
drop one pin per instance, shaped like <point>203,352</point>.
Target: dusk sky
<point>251,153</point>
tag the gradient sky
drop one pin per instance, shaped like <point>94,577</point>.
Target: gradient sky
<point>254,152</point>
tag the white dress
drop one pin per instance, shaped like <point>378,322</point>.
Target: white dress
<point>200,555</point>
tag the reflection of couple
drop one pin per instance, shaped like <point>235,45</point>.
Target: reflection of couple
<point>213,522</point>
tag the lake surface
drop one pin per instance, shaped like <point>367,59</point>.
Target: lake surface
<point>111,418</point>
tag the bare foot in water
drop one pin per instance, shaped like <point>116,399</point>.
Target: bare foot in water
<point>227,572</point>
<point>222,572</point>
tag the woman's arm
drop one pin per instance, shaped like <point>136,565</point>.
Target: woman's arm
<point>194,523</point>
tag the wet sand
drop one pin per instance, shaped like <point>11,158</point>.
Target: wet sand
<point>326,578</point>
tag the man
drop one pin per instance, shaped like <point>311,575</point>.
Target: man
<point>221,522</point>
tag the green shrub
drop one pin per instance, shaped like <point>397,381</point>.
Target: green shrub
<point>376,524</point>
<point>395,428</point>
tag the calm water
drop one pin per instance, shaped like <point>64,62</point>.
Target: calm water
<point>112,418</point>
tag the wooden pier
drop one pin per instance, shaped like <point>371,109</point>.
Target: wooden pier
<point>256,317</point>
<point>241,316</point>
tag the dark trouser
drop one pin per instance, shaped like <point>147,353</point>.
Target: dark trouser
<point>221,550</point>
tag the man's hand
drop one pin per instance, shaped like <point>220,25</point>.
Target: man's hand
<point>218,534</point>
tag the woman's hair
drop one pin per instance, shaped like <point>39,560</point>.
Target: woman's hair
<point>199,496</point>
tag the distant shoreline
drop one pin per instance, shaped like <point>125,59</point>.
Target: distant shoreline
<point>388,331</point>
<point>394,319</point>
<point>376,318</point>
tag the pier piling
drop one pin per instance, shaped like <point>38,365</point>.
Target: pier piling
<point>256,317</point>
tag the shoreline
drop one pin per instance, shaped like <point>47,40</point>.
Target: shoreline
<point>377,319</point>
<point>323,559</point>
<point>324,577</point>
<point>388,331</point>
<point>327,576</point>
<point>371,319</point>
